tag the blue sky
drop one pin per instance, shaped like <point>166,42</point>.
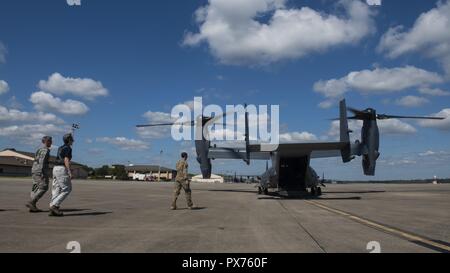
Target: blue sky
<point>124,59</point>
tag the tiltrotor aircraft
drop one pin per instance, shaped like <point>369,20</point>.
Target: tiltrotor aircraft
<point>291,172</point>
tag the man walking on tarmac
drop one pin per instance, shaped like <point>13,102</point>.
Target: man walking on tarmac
<point>182,182</point>
<point>62,176</point>
<point>40,174</point>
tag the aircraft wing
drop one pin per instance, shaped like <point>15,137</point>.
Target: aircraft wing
<point>264,151</point>
<point>341,148</point>
<point>314,149</point>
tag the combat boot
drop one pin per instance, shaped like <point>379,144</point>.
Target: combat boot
<point>55,212</point>
<point>32,206</point>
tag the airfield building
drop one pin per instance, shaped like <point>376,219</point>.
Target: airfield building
<point>214,179</point>
<point>18,164</point>
<point>153,171</point>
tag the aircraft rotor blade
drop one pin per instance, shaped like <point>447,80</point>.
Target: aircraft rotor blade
<point>383,117</point>
<point>355,111</point>
<point>188,123</point>
<point>216,118</point>
<point>350,118</point>
<point>154,125</point>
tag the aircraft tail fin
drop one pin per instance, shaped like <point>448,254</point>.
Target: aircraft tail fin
<point>344,132</point>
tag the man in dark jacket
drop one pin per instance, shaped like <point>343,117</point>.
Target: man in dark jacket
<point>62,176</point>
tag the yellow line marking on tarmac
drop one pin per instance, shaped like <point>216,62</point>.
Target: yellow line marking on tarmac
<point>403,234</point>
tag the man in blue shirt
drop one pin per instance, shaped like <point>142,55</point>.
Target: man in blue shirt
<point>62,176</point>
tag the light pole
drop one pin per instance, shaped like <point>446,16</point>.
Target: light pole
<point>159,165</point>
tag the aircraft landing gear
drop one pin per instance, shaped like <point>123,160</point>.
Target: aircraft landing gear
<point>316,191</point>
<point>264,191</point>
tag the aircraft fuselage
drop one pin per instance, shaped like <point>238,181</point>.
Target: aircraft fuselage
<point>289,174</point>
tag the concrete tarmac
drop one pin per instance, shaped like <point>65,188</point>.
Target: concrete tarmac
<point>105,216</point>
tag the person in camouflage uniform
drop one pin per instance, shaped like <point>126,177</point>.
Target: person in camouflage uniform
<point>182,182</point>
<point>40,174</point>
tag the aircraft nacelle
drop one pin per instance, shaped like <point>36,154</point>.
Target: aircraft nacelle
<point>202,149</point>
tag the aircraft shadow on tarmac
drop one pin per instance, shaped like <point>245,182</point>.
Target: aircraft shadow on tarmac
<point>276,196</point>
<point>353,192</point>
<point>196,208</point>
<point>80,212</point>
<point>269,197</point>
<point>74,210</point>
<point>88,214</point>
<point>240,191</point>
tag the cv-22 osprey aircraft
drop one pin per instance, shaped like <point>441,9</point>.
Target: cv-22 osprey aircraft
<point>291,173</point>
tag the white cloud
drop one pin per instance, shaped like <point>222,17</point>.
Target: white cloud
<point>412,101</point>
<point>13,115</point>
<point>379,80</point>
<point>333,88</point>
<point>156,132</point>
<point>236,35</point>
<point>31,134</point>
<point>399,162</point>
<point>427,153</point>
<point>438,124</point>
<point>46,102</point>
<point>395,127</point>
<point>297,137</point>
<point>436,155</point>
<point>4,87</point>
<point>158,117</point>
<point>433,92</point>
<point>124,143</point>
<point>85,88</point>
<point>326,104</point>
<point>374,2</point>
<point>3,52</point>
<point>223,130</point>
<point>429,35</point>
<point>429,158</point>
<point>353,125</point>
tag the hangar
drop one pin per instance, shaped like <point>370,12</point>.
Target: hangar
<point>15,163</point>
<point>157,172</point>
